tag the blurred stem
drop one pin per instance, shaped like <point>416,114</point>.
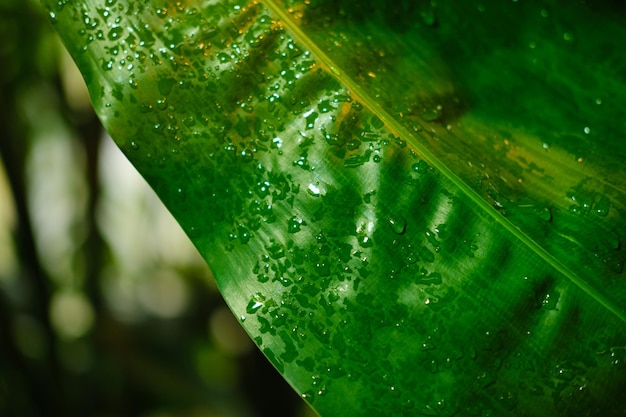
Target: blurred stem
<point>94,247</point>
<point>44,386</point>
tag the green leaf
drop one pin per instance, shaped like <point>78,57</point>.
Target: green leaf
<point>414,208</point>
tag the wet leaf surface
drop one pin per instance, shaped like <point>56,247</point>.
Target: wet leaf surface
<point>412,209</point>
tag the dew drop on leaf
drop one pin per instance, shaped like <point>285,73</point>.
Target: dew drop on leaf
<point>107,65</point>
<point>365,242</point>
<point>376,122</point>
<point>420,166</point>
<point>256,302</point>
<point>430,237</point>
<point>314,190</point>
<point>602,206</point>
<point>247,155</point>
<point>432,114</point>
<point>162,103</point>
<point>294,225</point>
<point>324,106</point>
<point>398,225</point>
<point>276,251</point>
<point>115,33</point>
<point>550,301</point>
<point>546,214</point>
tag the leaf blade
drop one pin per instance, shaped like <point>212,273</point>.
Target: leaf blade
<point>499,186</point>
<point>402,131</point>
<point>327,231</point>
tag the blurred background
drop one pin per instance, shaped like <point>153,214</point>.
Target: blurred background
<point>106,309</point>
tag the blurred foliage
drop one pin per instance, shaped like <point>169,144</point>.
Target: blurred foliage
<point>105,308</point>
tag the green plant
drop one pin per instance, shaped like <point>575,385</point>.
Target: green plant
<point>413,208</point>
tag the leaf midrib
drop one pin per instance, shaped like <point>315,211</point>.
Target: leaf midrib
<point>398,129</point>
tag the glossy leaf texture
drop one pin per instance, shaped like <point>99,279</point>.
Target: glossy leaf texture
<point>413,208</point>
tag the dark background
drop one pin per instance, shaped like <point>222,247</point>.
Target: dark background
<point>105,307</point>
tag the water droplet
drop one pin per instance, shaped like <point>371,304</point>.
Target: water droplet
<point>310,118</point>
<point>376,122</point>
<point>263,189</point>
<point>256,302</point>
<point>294,224</point>
<point>550,301</point>
<point>277,142</point>
<point>246,108</point>
<point>365,242</point>
<point>244,235</point>
<point>433,366</point>
<point>602,206</point>
<point>314,190</point>
<point>247,155</point>
<point>545,214</point>
<point>430,237</point>
<point>107,65</point>
<point>324,106</point>
<point>162,103</point>
<point>302,162</point>
<point>398,225</point>
<point>410,258</point>
<point>275,251</point>
<point>420,166</point>
<point>618,357</point>
<point>432,114</point>
<point>115,33</point>
<point>564,372</point>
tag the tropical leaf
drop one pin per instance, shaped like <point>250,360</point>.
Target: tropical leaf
<point>414,208</point>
